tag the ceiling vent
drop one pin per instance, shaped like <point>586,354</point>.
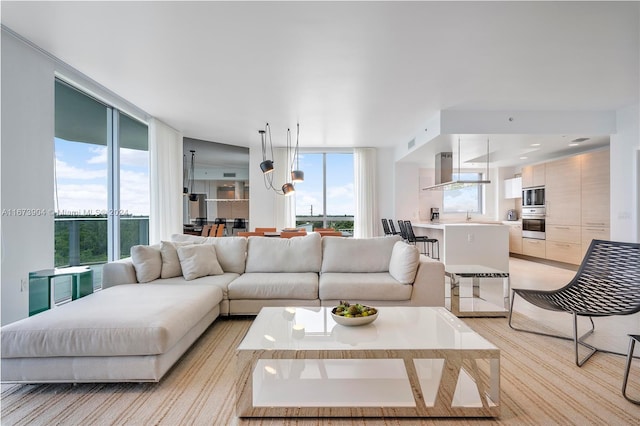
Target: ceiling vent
<point>580,140</point>
<point>229,175</point>
<point>411,143</point>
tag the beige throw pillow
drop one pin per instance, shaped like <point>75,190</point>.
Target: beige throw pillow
<point>170,261</point>
<point>147,262</point>
<point>198,260</point>
<point>404,262</point>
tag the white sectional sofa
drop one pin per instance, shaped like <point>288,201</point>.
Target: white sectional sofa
<point>154,305</point>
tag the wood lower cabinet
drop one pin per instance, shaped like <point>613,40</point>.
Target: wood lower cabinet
<point>564,252</point>
<point>533,247</point>
<point>593,233</point>
<point>515,237</point>
<point>564,233</point>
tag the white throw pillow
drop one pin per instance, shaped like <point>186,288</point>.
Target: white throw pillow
<point>198,260</point>
<point>170,261</point>
<point>404,262</point>
<point>147,262</point>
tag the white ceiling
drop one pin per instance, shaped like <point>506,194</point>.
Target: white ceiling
<point>352,73</point>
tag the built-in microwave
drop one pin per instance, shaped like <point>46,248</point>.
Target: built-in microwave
<point>533,197</point>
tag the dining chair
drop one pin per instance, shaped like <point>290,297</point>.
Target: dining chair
<point>250,234</point>
<point>239,223</point>
<point>263,230</point>
<point>330,234</point>
<point>213,230</point>
<point>220,232</point>
<point>291,234</point>
<point>205,230</point>
<point>324,229</point>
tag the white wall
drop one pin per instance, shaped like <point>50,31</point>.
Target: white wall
<point>262,200</point>
<point>625,191</point>
<point>27,171</point>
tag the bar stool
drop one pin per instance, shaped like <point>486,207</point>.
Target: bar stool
<point>433,242</point>
<point>633,338</point>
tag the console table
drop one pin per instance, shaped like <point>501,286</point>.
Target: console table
<point>40,283</point>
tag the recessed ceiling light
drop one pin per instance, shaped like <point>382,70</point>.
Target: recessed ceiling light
<point>574,144</point>
<point>535,144</point>
<point>523,158</point>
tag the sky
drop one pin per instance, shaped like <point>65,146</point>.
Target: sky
<point>81,179</point>
<point>340,200</point>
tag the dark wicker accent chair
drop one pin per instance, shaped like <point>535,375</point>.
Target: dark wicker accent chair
<point>606,284</point>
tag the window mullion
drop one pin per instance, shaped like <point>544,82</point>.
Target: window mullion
<point>113,188</point>
<point>324,190</point>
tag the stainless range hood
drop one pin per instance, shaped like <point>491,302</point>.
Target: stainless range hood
<point>444,171</point>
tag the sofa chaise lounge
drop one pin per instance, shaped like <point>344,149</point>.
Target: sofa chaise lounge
<point>156,303</point>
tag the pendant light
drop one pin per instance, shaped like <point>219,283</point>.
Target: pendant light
<point>297,175</point>
<point>267,164</point>
<point>192,196</point>
<point>185,175</point>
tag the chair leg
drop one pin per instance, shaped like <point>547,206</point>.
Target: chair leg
<point>627,368</point>
<point>577,341</point>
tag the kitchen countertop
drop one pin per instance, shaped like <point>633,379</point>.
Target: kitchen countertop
<point>443,225</point>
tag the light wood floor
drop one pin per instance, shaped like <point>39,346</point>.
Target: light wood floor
<point>610,332</point>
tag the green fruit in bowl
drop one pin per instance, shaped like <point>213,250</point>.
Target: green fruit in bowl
<point>357,310</point>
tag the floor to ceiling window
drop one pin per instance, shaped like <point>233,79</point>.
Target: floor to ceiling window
<point>101,181</point>
<point>325,198</point>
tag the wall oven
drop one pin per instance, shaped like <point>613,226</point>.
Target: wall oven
<point>533,222</point>
<point>533,197</point>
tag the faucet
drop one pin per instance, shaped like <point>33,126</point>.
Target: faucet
<point>468,216</point>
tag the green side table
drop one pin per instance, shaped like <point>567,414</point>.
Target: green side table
<point>41,282</point>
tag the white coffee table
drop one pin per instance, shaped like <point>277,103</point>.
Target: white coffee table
<point>411,362</point>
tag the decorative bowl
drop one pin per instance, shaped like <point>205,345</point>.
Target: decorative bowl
<point>353,321</point>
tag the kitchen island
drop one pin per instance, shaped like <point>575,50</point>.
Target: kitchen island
<point>470,243</point>
<point>478,254</point>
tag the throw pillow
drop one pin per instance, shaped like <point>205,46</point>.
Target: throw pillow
<point>198,260</point>
<point>147,262</point>
<point>404,262</point>
<point>170,261</point>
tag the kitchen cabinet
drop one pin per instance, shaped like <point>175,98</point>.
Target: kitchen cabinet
<point>532,247</point>
<point>564,233</point>
<point>515,237</point>
<point>564,252</point>
<point>592,233</point>
<point>562,191</point>
<point>513,188</point>
<point>533,175</point>
<point>595,193</point>
<point>594,167</point>
<point>564,243</point>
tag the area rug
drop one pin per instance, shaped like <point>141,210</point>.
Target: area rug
<point>540,385</point>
